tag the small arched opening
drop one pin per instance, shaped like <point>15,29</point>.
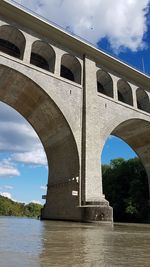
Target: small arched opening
<point>143,101</point>
<point>43,56</point>
<point>104,83</point>
<point>12,41</point>
<point>70,68</point>
<point>124,92</point>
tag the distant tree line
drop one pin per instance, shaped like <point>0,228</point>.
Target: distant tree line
<point>125,186</point>
<point>9,207</point>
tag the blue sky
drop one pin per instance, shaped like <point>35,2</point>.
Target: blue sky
<point>122,29</point>
<point>23,163</point>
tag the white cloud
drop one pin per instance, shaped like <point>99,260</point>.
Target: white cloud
<point>43,187</point>
<point>19,138</point>
<point>122,22</point>
<point>6,194</point>
<point>16,133</point>
<point>36,157</point>
<point>8,169</point>
<point>36,202</point>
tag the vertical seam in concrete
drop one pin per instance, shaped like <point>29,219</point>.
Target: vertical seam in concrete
<point>83,139</point>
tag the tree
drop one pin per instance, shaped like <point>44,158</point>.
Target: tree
<point>125,185</point>
<point>12,208</point>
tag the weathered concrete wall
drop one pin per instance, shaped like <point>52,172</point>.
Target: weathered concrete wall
<point>73,119</point>
<point>62,201</point>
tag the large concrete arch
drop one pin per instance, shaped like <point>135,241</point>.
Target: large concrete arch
<point>31,101</point>
<point>136,133</point>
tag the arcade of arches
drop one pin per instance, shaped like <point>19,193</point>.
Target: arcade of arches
<point>43,55</point>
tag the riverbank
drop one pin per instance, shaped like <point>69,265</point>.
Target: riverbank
<point>9,207</point>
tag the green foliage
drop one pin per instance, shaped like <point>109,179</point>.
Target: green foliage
<point>12,208</point>
<point>33,209</point>
<point>125,185</point>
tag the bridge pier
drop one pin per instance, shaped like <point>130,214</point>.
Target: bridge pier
<point>97,212</point>
<point>88,213</point>
<point>82,200</point>
<point>62,201</point>
<point>63,204</point>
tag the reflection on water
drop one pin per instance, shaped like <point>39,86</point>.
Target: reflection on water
<point>29,243</point>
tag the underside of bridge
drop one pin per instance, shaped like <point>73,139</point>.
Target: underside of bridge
<point>136,133</point>
<point>42,113</point>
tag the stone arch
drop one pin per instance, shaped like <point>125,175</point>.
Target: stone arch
<point>43,56</point>
<point>124,92</point>
<point>12,41</point>
<point>104,83</point>
<point>143,101</point>
<point>54,131</point>
<point>136,133</point>
<point>70,68</point>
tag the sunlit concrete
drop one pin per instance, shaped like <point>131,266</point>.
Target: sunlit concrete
<point>72,117</point>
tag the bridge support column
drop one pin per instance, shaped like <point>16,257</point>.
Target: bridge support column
<point>62,199</point>
<point>62,202</point>
<point>27,51</point>
<point>95,206</point>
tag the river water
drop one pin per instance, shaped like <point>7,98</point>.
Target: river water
<point>34,243</point>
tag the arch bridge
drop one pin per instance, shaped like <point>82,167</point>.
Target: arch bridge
<point>74,96</point>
